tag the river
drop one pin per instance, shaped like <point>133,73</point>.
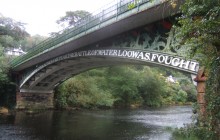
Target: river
<point>116,124</point>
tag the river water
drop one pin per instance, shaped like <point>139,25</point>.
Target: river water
<point>118,124</point>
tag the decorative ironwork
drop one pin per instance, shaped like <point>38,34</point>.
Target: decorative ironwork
<point>134,55</point>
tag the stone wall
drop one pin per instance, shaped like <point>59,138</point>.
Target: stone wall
<point>34,100</point>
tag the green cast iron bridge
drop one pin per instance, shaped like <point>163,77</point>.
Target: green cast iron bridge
<point>128,32</point>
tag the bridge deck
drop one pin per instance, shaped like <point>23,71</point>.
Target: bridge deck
<point>117,19</point>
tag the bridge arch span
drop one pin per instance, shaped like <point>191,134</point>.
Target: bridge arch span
<point>46,76</point>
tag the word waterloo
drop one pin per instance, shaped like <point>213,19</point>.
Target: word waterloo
<point>148,56</point>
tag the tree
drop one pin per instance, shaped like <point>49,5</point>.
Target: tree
<point>7,41</point>
<point>12,28</point>
<point>122,81</point>
<point>3,66</point>
<point>151,87</point>
<point>72,17</point>
<point>83,91</point>
<point>199,29</point>
<point>11,32</point>
<point>30,42</point>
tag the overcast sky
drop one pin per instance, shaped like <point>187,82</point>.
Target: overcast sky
<point>41,15</point>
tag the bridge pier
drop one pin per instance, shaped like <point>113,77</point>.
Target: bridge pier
<point>201,86</point>
<point>34,100</point>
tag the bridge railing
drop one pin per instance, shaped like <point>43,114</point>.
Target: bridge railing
<point>81,26</point>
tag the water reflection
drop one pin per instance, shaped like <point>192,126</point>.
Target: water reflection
<point>138,124</point>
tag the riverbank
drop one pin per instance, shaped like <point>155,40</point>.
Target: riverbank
<point>31,111</point>
<point>132,106</point>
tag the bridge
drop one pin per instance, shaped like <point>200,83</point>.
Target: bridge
<point>128,32</point>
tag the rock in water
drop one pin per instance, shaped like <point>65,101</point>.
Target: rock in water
<point>3,110</point>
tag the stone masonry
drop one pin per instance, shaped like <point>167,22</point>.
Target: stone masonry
<point>34,100</point>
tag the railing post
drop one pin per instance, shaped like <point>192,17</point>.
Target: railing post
<point>138,4</point>
<point>102,17</point>
<point>118,8</point>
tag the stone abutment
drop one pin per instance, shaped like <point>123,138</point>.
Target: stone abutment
<point>25,100</point>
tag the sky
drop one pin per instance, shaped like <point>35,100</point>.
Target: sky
<point>40,15</point>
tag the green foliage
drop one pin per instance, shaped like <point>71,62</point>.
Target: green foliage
<point>181,96</point>
<point>133,4</point>
<point>151,87</point>
<point>194,132</point>
<point>7,94</point>
<point>72,17</point>
<point>9,27</point>
<point>3,66</point>
<point>30,42</point>
<point>189,89</point>
<point>121,86</point>
<point>199,29</point>
<point>188,132</point>
<point>82,91</point>
<point>213,100</point>
<point>8,41</point>
<point>11,32</point>
<point>7,89</point>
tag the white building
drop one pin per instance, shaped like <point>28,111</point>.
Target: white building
<point>15,52</point>
<point>171,79</point>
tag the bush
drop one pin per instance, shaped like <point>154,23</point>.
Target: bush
<point>181,96</point>
<point>120,86</point>
<point>83,92</point>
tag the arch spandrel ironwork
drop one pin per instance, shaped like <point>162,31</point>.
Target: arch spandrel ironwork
<point>158,36</point>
